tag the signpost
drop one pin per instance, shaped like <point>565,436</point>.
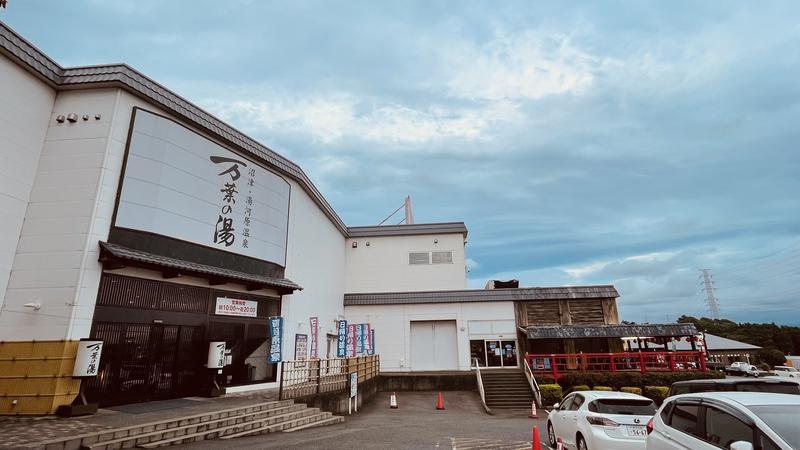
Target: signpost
<point>341,341</point>
<point>353,393</point>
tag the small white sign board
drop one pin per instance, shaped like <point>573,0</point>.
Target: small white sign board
<point>353,384</point>
<point>236,307</point>
<point>87,361</point>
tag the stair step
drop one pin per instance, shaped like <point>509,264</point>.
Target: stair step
<point>281,426</point>
<point>192,428</point>
<point>330,421</point>
<point>230,430</point>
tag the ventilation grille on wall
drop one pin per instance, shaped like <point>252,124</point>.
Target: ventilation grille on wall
<point>430,257</point>
<point>442,257</point>
<point>419,258</point>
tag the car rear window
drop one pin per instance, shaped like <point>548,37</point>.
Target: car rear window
<point>782,419</point>
<point>631,407</point>
<point>777,388</point>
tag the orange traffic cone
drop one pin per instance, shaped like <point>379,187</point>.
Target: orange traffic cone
<point>535,443</point>
<point>393,401</point>
<point>559,444</point>
<point>533,410</point>
<point>440,402</point>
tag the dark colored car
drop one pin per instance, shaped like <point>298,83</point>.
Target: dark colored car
<point>775,385</point>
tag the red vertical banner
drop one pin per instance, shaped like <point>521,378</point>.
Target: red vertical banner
<point>314,325</point>
<point>351,340</point>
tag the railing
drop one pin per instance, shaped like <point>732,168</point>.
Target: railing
<point>558,364</point>
<point>302,378</point>
<point>537,394</point>
<point>480,385</point>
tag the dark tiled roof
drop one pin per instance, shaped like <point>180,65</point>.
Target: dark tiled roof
<point>595,331</point>
<point>125,77</point>
<point>119,252</point>
<point>481,295</point>
<point>408,230</point>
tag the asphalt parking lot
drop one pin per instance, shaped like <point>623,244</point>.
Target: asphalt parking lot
<point>415,425</point>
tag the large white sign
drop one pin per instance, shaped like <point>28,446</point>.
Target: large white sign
<point>180,184</point>
<point>236,307</point>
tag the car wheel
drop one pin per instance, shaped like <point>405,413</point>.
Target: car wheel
<point>582,443</point>
<point>551,435</point>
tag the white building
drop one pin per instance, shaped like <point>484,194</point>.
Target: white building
<point>134,217</point>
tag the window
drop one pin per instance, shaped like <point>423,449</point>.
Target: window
<point>684,418</point>
<point>419,258</point>
<point>565,405</point>
<point>665,412</point>
<point>442,257</point>
<point>579,399</point>
<point>623,406</point>
<point>722,429</point>
<point>766,443</point>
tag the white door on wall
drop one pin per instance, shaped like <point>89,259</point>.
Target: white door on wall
<point>434,345</point>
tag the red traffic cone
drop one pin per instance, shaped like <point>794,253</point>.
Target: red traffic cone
<point>535,443</point>
<point>559,444</point>
<point>440,402</point>
<point>393,401</point>
<point>533,410</point>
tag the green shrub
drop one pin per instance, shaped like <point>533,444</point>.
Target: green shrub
<point>656,393</point>
<point>631,379</point>
<point>580,387</point>
<point>551,394</point>
<point>602,388</point>
<point>631,390</point>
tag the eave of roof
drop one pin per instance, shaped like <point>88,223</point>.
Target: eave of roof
<point>118,254</point>
<point>129,79</point>
<point>481,295</point>
<point>408,230</point>
<point>595,331</point>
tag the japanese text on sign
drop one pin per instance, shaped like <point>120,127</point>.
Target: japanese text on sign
<point>275,332</point>
<point>236,307</point>
<point>341,342</point>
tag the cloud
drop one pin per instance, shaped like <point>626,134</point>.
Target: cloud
<point>331,117</point>
<point>519,66</point>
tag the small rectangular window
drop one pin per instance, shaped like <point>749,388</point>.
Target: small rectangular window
<point>442,257</point>
<point>419,258</point>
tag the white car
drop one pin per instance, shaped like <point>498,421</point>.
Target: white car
<point>729,420</point>
<point>598,420</point>
<point>786,371</point>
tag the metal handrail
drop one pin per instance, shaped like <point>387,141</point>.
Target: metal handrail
<point>537,394</point>
<point>480,386</point>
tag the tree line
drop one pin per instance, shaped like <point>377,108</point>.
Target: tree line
<point>775,340</point>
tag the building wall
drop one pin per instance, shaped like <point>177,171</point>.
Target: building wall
<point>316,261</point>
<point>392,325</point>
<point>383,265</point>
<point>24,111</point>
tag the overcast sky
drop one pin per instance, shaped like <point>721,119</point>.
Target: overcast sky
<point>629,143</point>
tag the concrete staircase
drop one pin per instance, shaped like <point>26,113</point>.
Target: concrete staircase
<point>266,417</point>
<point>506,389</point>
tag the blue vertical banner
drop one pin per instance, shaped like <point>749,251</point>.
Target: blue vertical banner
<point>359,338</point>
<point>341,342</point>
<point>276,333</point>
<point>371,341</point>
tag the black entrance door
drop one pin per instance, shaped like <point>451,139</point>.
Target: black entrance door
<point>146,362</point>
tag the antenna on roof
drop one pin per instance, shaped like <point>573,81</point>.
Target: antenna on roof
<point>409,216</point>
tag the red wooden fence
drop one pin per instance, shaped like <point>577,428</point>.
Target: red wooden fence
<point>557,364</point>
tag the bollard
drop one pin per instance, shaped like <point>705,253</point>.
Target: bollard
<point>533,410</point>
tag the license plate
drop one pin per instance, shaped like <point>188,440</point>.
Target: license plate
<point>636,431</point>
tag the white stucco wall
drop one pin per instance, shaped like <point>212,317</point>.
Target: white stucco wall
<point>392,325</point>
<point>25,107</point>
<point>315,260</point>
<point>60,223</point>
<point>382,266</point>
